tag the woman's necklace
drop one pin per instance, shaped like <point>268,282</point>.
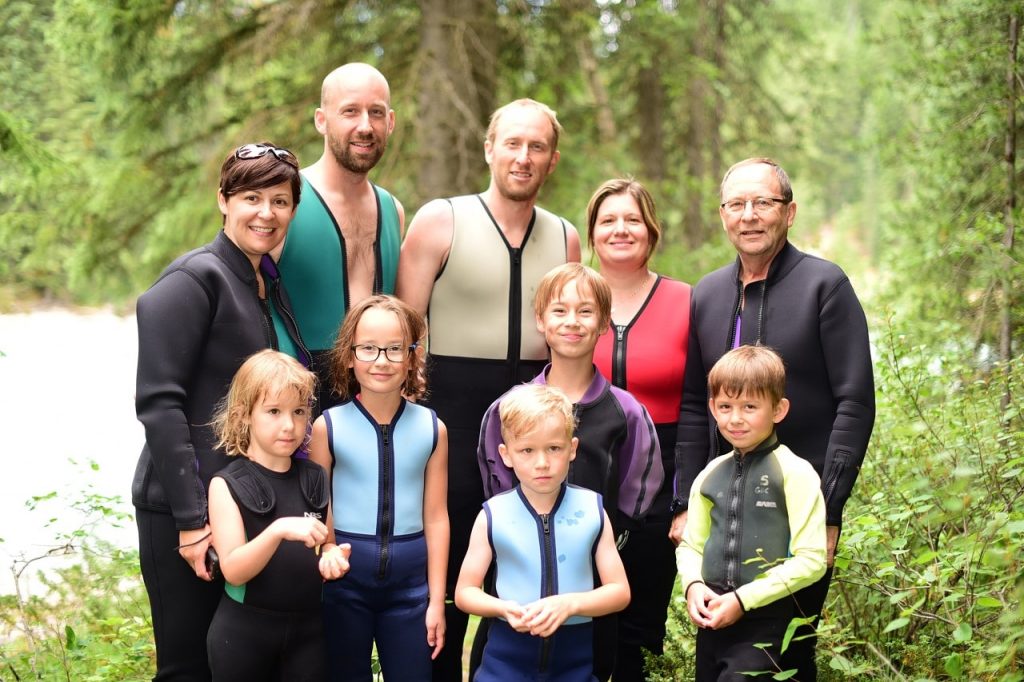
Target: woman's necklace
<point>632,295</point>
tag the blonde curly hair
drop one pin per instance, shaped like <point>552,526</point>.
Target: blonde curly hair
<point>266,373</point>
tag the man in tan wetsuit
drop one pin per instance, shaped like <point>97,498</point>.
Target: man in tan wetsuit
<point>472,265</point>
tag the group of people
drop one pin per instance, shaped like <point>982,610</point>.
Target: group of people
<point>341,452</point>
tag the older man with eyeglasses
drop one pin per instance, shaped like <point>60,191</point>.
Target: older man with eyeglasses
<point>805,308</point>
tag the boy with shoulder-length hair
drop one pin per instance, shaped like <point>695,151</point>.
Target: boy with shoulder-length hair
<point>756,527</point>
<point>550,543</point>
<point>618,454</point>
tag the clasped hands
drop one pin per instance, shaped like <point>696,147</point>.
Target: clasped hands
<point>540,618</point>
<point>708,609</point>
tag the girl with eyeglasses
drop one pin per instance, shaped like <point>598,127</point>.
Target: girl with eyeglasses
<point>198,322</point>
<point>388,462</point>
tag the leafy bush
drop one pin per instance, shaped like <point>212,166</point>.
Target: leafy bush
<point>929,572</point>
<point>90,621</point>
<point>928,581</point>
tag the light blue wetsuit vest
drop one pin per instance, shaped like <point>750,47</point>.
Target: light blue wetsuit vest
<point>538,555</point>
<point>379,469</point>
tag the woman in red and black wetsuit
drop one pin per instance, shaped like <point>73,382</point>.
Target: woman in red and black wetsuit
<point>645,353</point>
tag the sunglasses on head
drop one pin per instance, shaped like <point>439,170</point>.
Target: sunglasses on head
<point>257,150</point>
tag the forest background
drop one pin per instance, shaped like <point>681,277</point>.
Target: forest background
<point>897,120</point>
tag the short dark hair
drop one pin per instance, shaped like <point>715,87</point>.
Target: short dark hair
<point>758,370</point>
<point>241,175</point>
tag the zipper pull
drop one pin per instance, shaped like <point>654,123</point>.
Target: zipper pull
<point>620,329</point>
<point>384,433</point>
<point>544,521</point>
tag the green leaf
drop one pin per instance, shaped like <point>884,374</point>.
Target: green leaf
<point>71,637</point>
<point>954,665</point>
<point>963,633</point>
<point>841,663</point>
<point>896,624</point>
<point>785,674</point>
<point>988,603</point>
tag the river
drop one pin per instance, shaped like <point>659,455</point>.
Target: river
<point>67,381</point>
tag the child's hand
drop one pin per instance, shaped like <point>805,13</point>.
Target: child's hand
<point>334,561</point>
<point>697,597</point>
<point>546,615</point>
<point>513,614</point>
<point>435,627</point>
<point>304,529</point>
<point>725,610</point>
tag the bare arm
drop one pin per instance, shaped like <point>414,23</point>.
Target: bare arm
<point>241,561</point>
<point>469,596</point>
<point>435,529</point>
<point>319,452</point>
<point>573,251</point>
<point>424,252</point>
<point>333,557</point>
<point>401,217</point>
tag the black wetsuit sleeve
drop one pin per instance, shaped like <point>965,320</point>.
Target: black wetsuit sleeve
<point>693,444</point>
<point>844,339</point>
<point>173,320</point>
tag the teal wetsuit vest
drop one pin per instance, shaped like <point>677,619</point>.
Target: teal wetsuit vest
<point>313,265</point>
<point>538,555</point>
<point>379,469</point>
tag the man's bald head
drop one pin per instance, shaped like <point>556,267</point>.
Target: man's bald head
<point>350,75</point>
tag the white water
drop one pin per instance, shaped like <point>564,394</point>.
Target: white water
<point>67,383</point>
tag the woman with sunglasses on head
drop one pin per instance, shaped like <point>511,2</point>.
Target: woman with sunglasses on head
<point>205,314</point>
<point>644,352</point>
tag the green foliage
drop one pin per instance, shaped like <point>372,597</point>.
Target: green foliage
<point>927,581</point>
<point>92,622</point>
<point>88,617</point>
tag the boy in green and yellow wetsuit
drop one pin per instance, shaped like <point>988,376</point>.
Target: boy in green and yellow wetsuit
<point>756,527</point>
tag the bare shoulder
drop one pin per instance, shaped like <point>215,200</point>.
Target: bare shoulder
<point>424,250</point>
<point>401,216</point>
<point>434,220</point>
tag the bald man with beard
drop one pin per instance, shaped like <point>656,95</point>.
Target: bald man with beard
<point>344,241</point>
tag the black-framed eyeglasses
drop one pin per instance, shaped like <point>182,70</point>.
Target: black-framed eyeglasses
<point>256,150</point>
<point>759,204</point>
<point>368,352</point>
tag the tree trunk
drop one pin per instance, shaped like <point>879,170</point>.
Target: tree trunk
<point>1006,322</point>
<point>697,131</point>
<point>717,100</point>
<point>456,71</point>
<point>650,112</point>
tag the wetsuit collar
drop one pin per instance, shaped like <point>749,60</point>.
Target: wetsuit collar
<point>237,262</point>
<point>597,388</point>
<point>766,446</point>
<point>784,261</point>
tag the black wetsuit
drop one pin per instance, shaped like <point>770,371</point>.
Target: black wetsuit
<point>271,628</point>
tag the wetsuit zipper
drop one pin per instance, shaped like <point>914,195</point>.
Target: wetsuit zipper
<point>548,588</point>
<point>378,275</point>
<point>268,325</point>
<point>732,545</point>
<point>386,462</point>
<point>619,357</point>
<point>290,323</point>
<point>514,313</point>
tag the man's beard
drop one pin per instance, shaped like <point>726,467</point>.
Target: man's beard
<point>355,163</point>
